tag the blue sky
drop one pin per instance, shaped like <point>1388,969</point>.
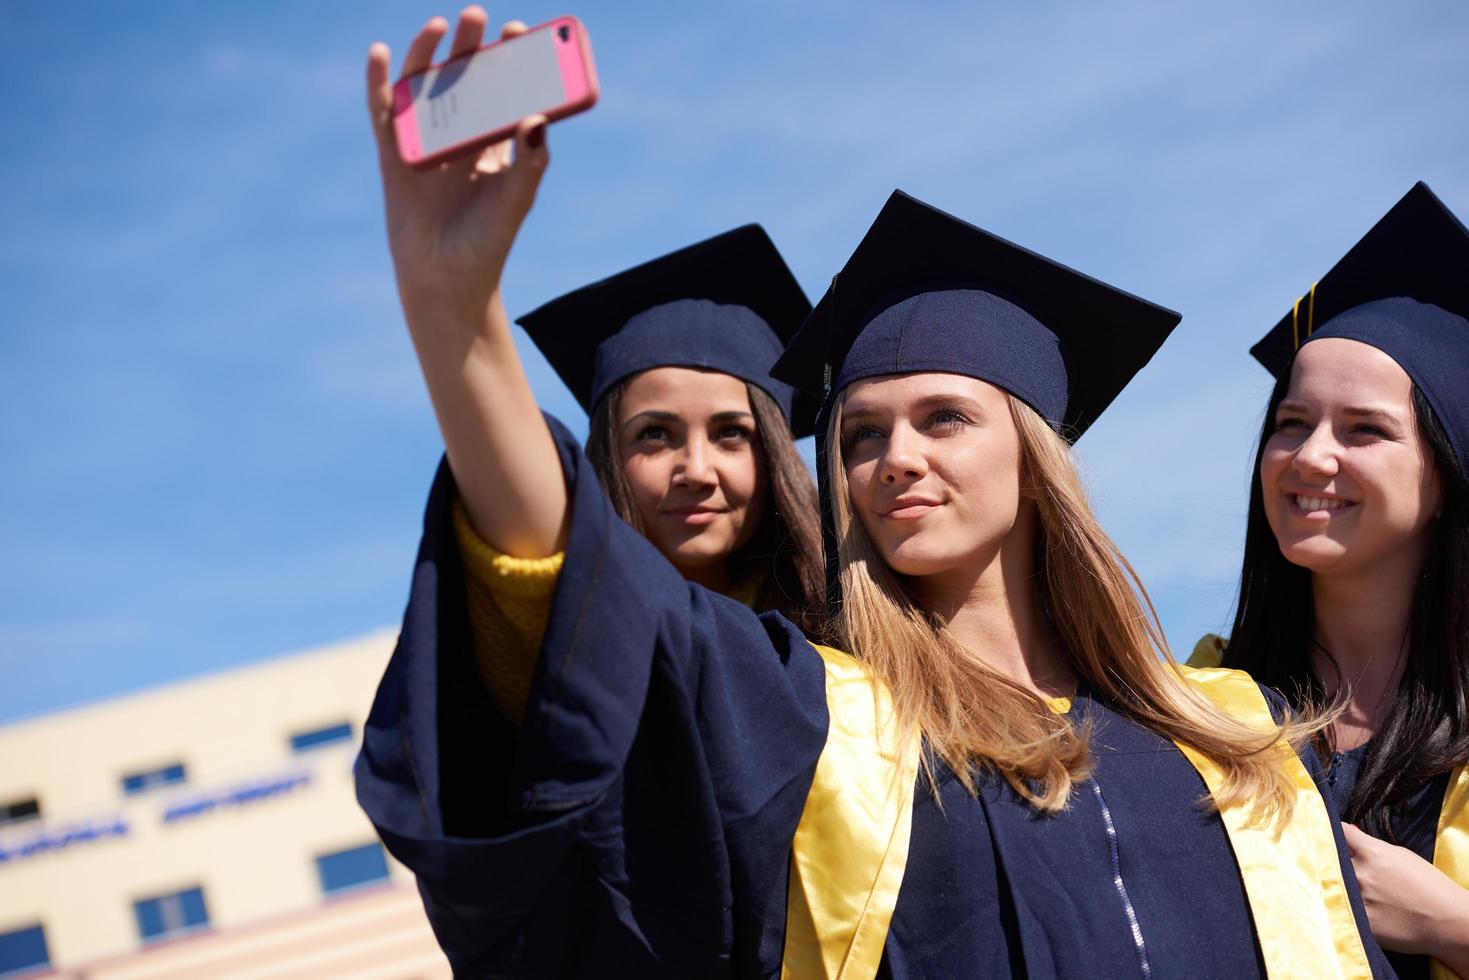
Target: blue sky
<point>217,441</point>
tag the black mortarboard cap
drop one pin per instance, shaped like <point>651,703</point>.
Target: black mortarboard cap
<point>728,304</point>
<point>925,291</point>
<point>1404,289</point>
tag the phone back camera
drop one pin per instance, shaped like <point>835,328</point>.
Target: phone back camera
<point>563,32</point>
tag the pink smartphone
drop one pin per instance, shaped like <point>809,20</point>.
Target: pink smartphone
<point>478,98</point>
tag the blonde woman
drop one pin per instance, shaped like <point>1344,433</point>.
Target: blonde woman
<point>1000,778</point>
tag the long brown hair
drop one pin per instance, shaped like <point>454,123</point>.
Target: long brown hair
<point>784,556</point>
<point>970,715</point>
<point>1425,731</point>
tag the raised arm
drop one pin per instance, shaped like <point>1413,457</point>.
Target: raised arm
<point>450,229</point>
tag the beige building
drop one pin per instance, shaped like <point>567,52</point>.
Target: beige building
<point>206,828</point>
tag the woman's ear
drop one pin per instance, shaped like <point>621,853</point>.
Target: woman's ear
<point>1436,488</point>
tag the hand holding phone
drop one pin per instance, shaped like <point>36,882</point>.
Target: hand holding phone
<point>450,227</point>
<point>476,99</point>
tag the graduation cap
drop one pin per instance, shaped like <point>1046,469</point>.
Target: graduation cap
<point>1404,289</point>
<point>725,304</point>
<point>925,291</point>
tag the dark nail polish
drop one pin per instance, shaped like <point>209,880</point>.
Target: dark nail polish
<point>536,137</point>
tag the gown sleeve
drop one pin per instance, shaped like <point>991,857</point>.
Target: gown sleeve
<point>1208,652</point>
<point>639,820</point>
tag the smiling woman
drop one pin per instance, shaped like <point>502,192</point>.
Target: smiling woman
<point>696,476</point>
<point>697,481</point>
<point>950,434</point>
<point>692,438</point>
<point>1355,584</point>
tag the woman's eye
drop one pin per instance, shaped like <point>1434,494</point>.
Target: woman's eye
<point>1288,423</point>
<point>735,433</point>
<point>653,433</point>
<point>947,419</point>
<point>859,435</point>
<point>1369,430</point>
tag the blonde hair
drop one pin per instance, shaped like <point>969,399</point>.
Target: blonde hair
<point>969,714</point>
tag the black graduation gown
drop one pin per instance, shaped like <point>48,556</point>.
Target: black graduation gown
<point>1417,830</point>
<point>640,821</point>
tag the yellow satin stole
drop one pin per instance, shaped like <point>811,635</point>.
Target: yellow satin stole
<point>1292,874</point>
<point>1451,848</point>
<point>1451,843</point>
<point>851,844</point>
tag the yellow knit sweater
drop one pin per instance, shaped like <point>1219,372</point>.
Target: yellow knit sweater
<point>509,604</point>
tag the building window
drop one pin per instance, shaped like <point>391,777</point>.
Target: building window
<point>170,915</point>
<point>23,949</point>
<point>141,782</point>
<point>352,868</point>
<point>17,810</point>
<point>301,741</point>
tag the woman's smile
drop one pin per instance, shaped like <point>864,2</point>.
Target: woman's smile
<point>910,507</point>
<point>694,514</point>
<point>1318,506</point>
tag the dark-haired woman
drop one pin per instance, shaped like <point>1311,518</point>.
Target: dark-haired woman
<point>691,439</point>
<point>689,434</point>
<point>1355,586</point>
